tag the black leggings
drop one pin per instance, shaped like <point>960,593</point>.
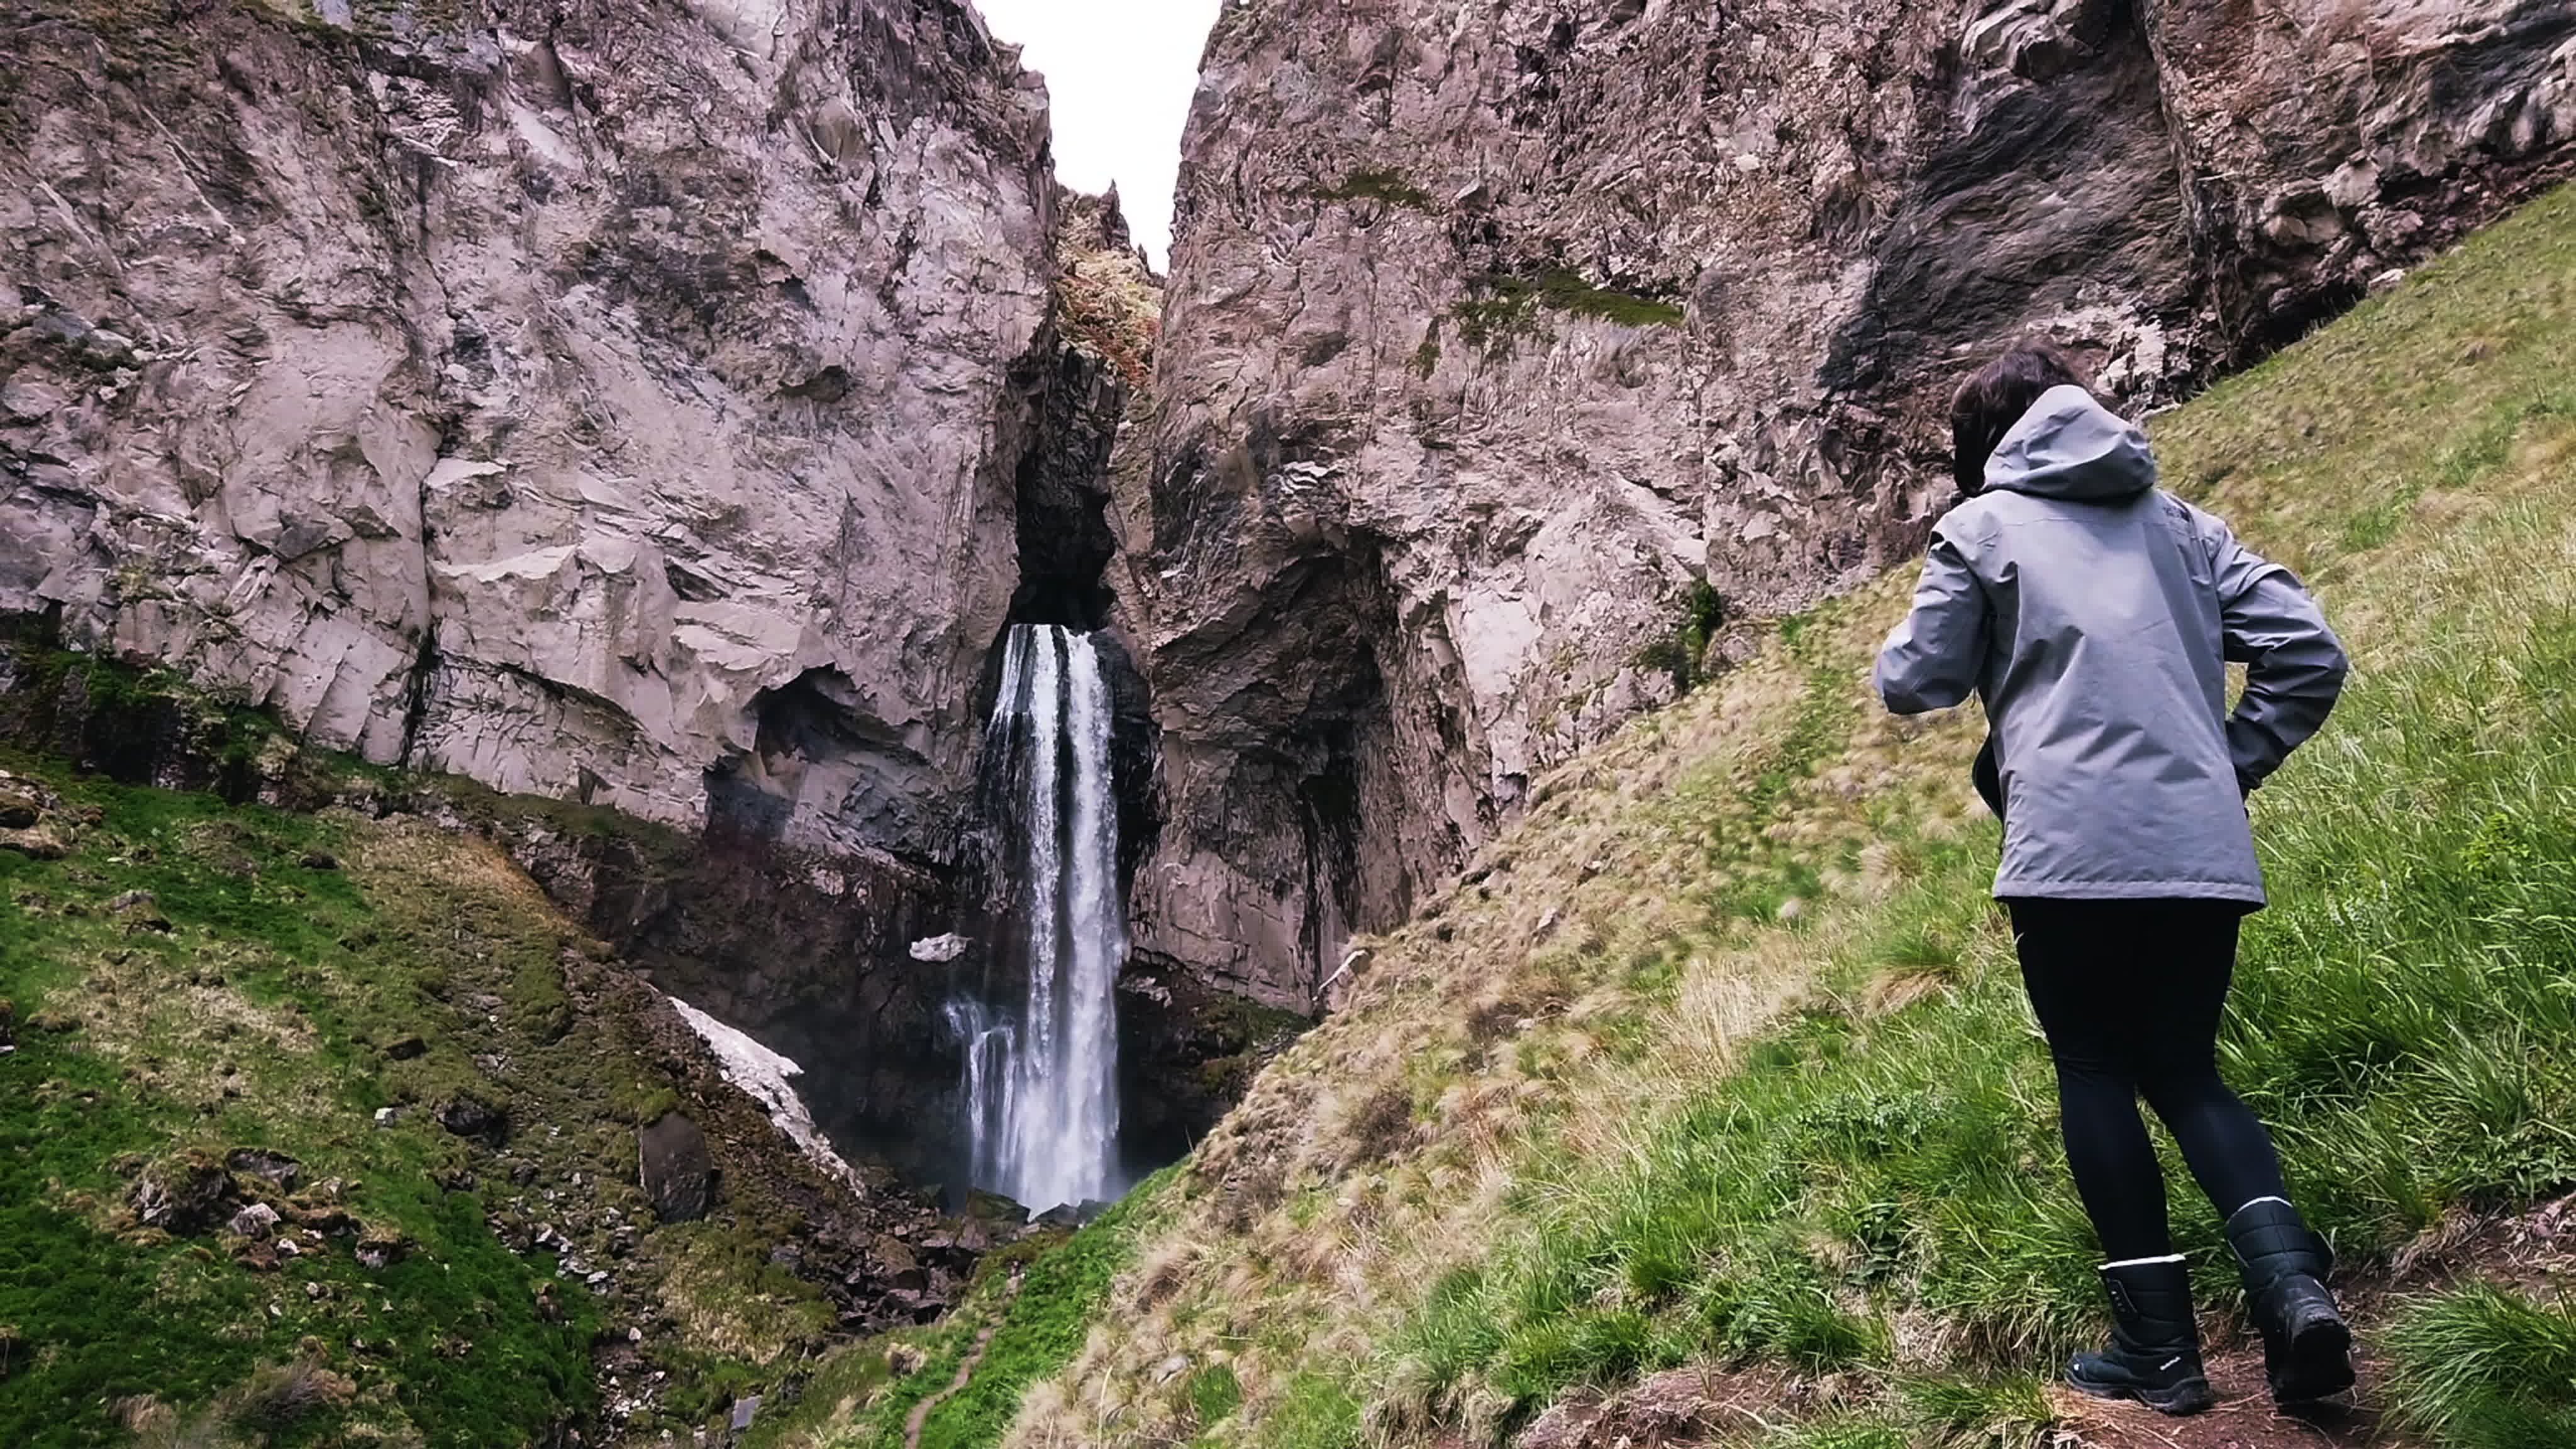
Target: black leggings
<point>2130,994</point>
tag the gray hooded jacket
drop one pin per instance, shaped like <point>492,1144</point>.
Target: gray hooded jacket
<point>2094,614</point>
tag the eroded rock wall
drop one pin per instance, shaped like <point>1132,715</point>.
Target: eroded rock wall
<point>1513,350</point>
<point>607,401</point>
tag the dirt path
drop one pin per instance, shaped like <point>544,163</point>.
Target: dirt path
<point>2533,1251</point>
<point>922,1411</point>
<point>2244,1418</point>
<point>1699,1408</point>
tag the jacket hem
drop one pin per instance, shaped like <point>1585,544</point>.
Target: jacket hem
<point>2130,890</point>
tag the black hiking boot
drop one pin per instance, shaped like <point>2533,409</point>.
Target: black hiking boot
<point>2155,1347</point>
<point>2307,1348</point>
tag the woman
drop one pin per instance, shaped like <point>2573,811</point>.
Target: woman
<point>2095,614</point>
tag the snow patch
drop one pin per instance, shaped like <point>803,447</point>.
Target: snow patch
<point>767,1077</point>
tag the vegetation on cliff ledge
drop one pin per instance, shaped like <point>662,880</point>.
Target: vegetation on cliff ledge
<point>1377,184</point>
<point>1503,310</point>
<point>1717,1064</point>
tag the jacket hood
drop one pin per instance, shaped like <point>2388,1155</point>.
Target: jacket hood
<point>2071,447</point>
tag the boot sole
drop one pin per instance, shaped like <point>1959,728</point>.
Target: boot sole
<point>2191,1396</point>
<point>2319,1364</point>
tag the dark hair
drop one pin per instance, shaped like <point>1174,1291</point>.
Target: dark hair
<point>1991,401</point>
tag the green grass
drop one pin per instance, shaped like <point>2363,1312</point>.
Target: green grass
<point>260,1019</point>
<point>2487,1368</point>
<point>108,1315</point>
<point>1044,1322</point>
<point>1213,1392</point>
<point>1315,1411</point>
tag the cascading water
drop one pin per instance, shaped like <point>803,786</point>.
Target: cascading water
<point>1040,1075</point>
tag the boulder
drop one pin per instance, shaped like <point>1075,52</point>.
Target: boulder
<point>266,1165</point>
<point>471,1117</point>
<point>38,843</point>
<point>676,1171</point>
<point>186,1195</point>
<point>255,1221</point>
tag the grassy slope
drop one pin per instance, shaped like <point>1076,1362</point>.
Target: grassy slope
<point>260,1019</point>
<point>1720,1057</point>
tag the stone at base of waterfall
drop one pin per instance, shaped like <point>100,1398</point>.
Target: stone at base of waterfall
<point>937,949</point>
<point>1070,1214</point>
<point>677,1173</point>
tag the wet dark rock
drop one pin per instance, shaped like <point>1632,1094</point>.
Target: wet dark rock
<point>470,1116</point>
<point>679,1176</point>
<point>404,1048</point>
<point>18,810</point>
<point>318,860</point>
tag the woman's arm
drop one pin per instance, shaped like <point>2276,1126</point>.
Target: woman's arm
<point>1932,659</point>
<point>2295,665</point>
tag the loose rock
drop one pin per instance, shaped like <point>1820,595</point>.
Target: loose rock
<point>140,911</point>
<point>256,1221</point>
<point>266,1165</point>
<point>185,1196</point>
<point>471,1117</point>
<point>678,1174</point>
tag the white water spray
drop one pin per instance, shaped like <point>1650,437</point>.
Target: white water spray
<point>1041,1082</point>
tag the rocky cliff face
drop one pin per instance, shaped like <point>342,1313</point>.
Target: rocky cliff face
<point>609,401</point>
<point>1513,352</point>
<point>659,409</point>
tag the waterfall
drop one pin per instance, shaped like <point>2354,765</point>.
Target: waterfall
<point>1040,1074</point>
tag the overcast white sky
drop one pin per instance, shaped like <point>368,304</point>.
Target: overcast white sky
<point>1120,74</point>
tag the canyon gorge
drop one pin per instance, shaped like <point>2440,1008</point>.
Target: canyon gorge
<point>671,414</point>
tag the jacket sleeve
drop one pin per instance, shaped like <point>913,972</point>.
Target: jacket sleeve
<point>1931,661</point>
<point>2295,665</point>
